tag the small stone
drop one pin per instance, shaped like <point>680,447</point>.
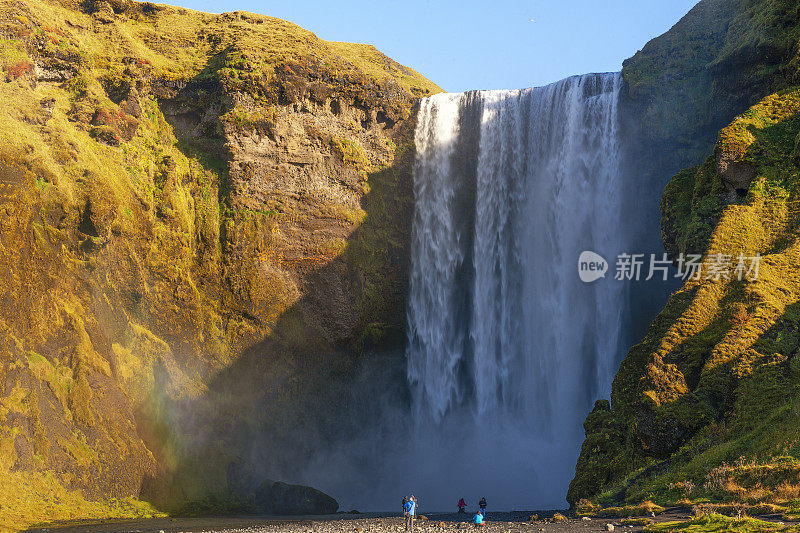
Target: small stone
<point>586,519</point>
<point>609,527</point>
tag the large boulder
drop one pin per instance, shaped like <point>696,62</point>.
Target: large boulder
<point>275,497</point>
<point>257,494</point>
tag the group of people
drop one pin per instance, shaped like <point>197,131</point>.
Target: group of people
<point>479,516</point>
<point>410,510</point>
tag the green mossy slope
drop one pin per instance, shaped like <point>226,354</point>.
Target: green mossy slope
<point>172,185</point>
<point>704,410</point>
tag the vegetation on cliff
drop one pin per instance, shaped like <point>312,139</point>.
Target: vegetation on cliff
<point>704,410</point>
<point>722,57</point>
<point>175,188</point>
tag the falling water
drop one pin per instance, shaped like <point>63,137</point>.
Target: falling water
<point>507,348</point>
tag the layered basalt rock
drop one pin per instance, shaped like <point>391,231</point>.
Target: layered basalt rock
<point>177,190</point>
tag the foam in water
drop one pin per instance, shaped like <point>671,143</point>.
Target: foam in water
<point>507,348</point>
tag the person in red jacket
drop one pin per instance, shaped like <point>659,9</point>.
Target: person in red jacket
<point>462,506</point>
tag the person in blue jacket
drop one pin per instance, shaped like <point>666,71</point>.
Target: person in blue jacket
<point>478,519</point>
<point>409,508</point>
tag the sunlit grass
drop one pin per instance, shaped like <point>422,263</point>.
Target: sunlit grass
<point>718,523</point>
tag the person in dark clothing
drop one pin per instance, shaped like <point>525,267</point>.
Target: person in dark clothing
<point>482,505</point>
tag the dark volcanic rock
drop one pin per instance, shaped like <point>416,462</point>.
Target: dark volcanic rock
<point>274,497</point>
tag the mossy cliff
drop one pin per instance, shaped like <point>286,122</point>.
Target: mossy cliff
<point>178,189</point>
<point>705,408</point>
<point>721,58</point>
<point>682,88</point>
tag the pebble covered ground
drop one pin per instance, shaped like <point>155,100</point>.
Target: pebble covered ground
<point>395,525</point>
<point>518,522</point>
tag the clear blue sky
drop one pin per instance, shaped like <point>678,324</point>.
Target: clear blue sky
<point>492,44</point>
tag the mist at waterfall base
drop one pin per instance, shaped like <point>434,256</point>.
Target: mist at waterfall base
<point>507,348</point>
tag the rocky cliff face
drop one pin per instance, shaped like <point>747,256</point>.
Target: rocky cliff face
<point>680,90</point>
<point>180,192</point>
<point>703,408</point>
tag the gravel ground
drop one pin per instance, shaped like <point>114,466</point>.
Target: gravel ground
<point>516,522</point>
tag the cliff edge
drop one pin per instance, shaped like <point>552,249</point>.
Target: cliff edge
<point>703,409</point>
<point>177,190</point>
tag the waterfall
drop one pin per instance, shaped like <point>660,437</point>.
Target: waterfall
<point>507,347</point>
